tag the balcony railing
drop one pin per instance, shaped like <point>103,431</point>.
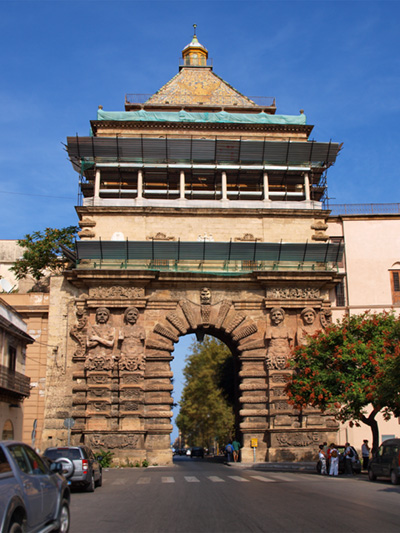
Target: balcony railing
<point>363,209</point>
<point>14,382</point>
<point>262,101</point>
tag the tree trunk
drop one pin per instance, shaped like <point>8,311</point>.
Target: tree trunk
<point>373,424</point>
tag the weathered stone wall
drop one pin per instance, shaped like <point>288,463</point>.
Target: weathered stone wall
<point>134,224</point>
<point>112,374</point>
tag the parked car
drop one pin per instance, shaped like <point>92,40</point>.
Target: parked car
<point>80,466</point>
<point>355,463</point>
<point>33,495</point>
<point>386,462</point>
<point>197,451</point>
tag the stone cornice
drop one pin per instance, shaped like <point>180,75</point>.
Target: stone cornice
<point>206,211</point>
<point>198,126</point>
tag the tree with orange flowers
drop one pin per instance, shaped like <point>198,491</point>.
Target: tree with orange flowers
<point>352,368</point>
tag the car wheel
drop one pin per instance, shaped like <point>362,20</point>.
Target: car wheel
<point>371,475</point>
<point>394,478</point>
<point>16,527</point>
<point>91,485</point>
<point>99,482</point>
<point>67,467</point>
<point>64,519</point>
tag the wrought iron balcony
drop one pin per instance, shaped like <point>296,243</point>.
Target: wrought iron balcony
<point>14,382</point>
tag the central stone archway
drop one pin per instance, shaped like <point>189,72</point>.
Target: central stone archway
<point>116,379</point>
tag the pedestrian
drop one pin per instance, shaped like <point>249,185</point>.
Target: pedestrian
<point>348,459</point>
<point>236,449</point>
<point>365,450</point>
<point>328,458</point>
<point>322,458</point>
<point>334,463</point>
<point>229,452</point>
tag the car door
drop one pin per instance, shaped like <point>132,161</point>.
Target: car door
<point>31,486</point>
<point>47,483</point>
<point>386,459</point>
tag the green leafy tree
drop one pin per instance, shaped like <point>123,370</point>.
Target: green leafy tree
<point>206,408</point>
<point>352,365</point>
<point>41,252</point>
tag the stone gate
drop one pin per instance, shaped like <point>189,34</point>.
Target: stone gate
<point>201,212</point>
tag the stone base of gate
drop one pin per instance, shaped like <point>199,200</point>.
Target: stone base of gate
<point>298,445</point>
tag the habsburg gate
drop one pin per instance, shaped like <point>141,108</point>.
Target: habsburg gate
<point>201,212</point>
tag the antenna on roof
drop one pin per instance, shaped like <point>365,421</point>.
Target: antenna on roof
<point>195,26</point>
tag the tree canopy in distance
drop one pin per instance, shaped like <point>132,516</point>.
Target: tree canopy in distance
<point>206,407</point>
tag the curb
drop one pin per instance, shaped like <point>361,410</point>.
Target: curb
<point>277,467</point>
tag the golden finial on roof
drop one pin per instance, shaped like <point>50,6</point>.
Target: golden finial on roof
<point>195,54</point>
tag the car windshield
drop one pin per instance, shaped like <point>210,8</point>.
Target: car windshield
<point>71,453</point>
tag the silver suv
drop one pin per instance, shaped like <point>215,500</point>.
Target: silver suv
<point>80,466</point>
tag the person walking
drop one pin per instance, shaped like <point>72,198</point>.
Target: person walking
<point>348,458</point>
<point>322,458</point>
<point>334,463</point>
<point>236,450</point>
<point>365,451</point>
<point>229,452</point>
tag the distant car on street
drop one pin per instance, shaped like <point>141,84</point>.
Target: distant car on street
<point>80,466</point>
<point>33,495</point>
<point>197,451</point>
<point>386,462</point>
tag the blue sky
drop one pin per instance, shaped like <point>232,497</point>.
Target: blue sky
<point>339,61</point>
<point>60,59</point>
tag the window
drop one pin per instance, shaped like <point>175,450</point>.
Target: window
<point>12,358</point>
<point>37,465</point>
<point>4,464</point>
<point>338,240</point>
<point>340,295</point>
<point>395,285</point>
<point>8,431</point>
<point>21,459</point>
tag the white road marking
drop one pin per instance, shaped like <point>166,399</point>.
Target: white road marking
<point>143,481</point>
<point>167,479</point>
<point>266,479</point>
<point>238,478</point>
<point>216,479</point>
<point>192,479</point>
<point>281,478</point>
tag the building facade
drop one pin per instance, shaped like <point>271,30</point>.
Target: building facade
<point>201,213</point>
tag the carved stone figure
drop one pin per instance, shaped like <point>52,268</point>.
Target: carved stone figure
<point>279,340</point>
<point>132,339</point>
<point>100,342</point>
<point>325,317</point>
<point>79,332</point>
<point>205,296</point>
<point>309,326</point>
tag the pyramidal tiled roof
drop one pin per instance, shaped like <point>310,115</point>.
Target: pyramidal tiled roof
<point>194,86</point>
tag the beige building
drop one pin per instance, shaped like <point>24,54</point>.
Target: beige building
<point>14,384</point>
<point>371,264</point>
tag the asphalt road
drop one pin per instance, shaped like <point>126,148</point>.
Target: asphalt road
<point>197,496</point>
